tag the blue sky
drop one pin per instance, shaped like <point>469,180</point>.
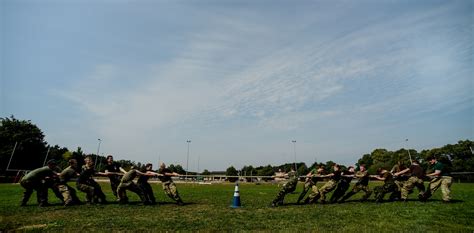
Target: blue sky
<point>240,79</point>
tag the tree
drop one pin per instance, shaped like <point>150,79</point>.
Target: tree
<point>179,169</point>
<point>56,152</point>
<point>206,172</point>
<point>231,171</point>
<point>367,160</point>
<point>382,158</point>
<point>31,146</point>
<point>79,156</point>
<point>265,171</point>
<point>329,166</point>
<point>249,170</point>
<point>302,169</point>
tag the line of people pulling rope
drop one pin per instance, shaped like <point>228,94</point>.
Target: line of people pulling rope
<point>47,177</point>
<point>398,184</point>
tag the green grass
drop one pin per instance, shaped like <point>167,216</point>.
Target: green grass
<point>208,209</point>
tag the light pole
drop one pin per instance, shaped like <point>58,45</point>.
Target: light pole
<point>97,155</point>
<point>199,157</point>
<point>294,150</point>
<point>187,159</point>
<point>409,155</point>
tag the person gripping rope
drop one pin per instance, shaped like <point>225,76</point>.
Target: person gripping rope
<point>168,185</point>
<point>86,183</point>
<point>33,181</point>
<point>389,186</point>
<point>68,193</point>
<point>440,178</point>
<point>145,186</point>
<point>416,180</point>
<point>343,185</point>
<point>288,187</point>
<point>361,185</point>
<point>127,184</point>
<point>310,183</point>
<point>113,173</point>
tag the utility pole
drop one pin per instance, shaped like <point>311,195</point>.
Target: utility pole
<point>294,150</point>
<point>97,155</point>
<point>187,159</point>
<point>409,155</point>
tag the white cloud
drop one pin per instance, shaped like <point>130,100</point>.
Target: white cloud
<point>228,72</point>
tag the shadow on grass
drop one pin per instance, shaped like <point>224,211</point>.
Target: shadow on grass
<point>174,203</point>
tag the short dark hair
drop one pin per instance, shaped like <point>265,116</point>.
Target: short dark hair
<point>51,162</point>
<point>71,161</point>
<point>109,156</point>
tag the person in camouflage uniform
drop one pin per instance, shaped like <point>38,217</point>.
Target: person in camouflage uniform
<point>127,184</point>
<point>288,187</point>
<point>440,178</point>
<point>334,178</point>
<point>168,185</point>
<point>362,184</point>
<point>68,193</point>
<point>86,183</point>
<point>416,180</point>
<point>343,185</point>
<point>33,181</point>
<point>145,186</point>
<point>52,183</point>
<point>310,183</point>
<point>389,186</point>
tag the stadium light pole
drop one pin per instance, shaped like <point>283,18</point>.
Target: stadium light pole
<point>294,150</point>
<point>409,155</point>
<point>187,159</point>
<point>97,155</point>
<point>199,157</point>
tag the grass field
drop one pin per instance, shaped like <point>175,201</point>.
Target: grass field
<point>208,209</point>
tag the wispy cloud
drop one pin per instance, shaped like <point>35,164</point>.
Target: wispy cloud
<point>238,70</point>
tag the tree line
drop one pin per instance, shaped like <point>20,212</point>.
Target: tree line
<point>31,150</point>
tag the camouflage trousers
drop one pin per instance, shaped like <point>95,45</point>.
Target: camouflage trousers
<point>410,184</point>
<point>93,192</point>
<point>307,186</point>
<point>29,187</point>
<point>326,188</point>
<point>171,190</point>
<point>123,186</point>
<point>313,196</point>
<point>445,183</point>
<point>69,194</point>
<point>380,192</point>
<point>357,188</point>
<point>285,189</point>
